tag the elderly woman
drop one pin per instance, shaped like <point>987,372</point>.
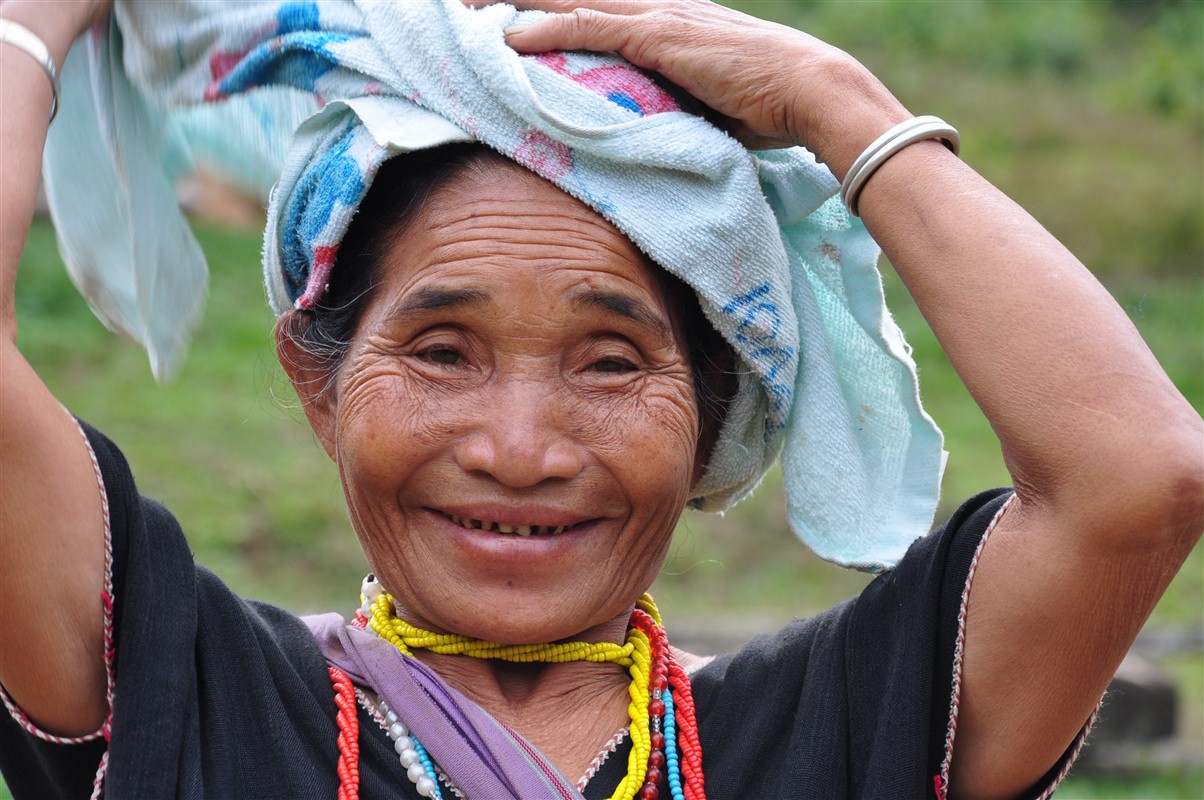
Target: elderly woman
<point>533,309</point>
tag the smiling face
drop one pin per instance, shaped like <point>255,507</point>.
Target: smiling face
<point>514,423</point>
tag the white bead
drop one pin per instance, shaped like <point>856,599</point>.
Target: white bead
<point>370,588</point>
<point>402,744</point>
<point>416,772</point>
<point>409,758</point>
<point>425,786</point>
<point>390,716</point>
<point>397,730</point>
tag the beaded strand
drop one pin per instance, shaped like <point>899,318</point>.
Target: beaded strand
<point>349,730</point>
<point>671,749</point>
<point>663,731</point>
<point>691,748</point>
<point>687,722</point>
<point>658,684</point>
<point>637,712</point>
<point>405,637</point>
<point>410,753</point>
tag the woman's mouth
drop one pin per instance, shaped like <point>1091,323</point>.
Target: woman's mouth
<point>508,528</point>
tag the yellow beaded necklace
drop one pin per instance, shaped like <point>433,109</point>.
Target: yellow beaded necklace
<point>635,654</point>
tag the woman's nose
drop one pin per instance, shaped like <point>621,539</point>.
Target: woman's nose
<point>520,438</point>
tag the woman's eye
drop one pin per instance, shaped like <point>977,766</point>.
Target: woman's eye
<point>612,365</point>
<point>442,355</point>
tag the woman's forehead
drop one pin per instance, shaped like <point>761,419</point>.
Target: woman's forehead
<point>485,227</point>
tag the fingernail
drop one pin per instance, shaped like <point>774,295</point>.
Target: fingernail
<point>514,30</point>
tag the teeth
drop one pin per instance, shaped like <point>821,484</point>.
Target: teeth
<point>501,527</point>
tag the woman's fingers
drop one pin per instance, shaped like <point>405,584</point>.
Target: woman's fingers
<point>773,86</point>
<point>713,53</point>
<point>564,6</point>
<point>578,29</point>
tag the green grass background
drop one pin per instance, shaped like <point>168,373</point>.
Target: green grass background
<point>1088,113</point>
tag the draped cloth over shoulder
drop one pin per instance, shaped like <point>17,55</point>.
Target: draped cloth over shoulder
<point>780,269</point>
<point>483,757</point>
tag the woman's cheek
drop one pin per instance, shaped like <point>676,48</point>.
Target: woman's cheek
<point>607,419</point>
<point>651,434</point>
<point>382,422</point>
<point>670,409</point>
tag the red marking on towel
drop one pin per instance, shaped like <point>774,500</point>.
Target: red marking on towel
<point>541,154</point>
<point>319,276</point>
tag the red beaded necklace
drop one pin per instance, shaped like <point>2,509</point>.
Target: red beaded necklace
<point>673,747</point>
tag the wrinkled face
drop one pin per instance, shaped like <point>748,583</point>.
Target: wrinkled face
<point>515,423</point>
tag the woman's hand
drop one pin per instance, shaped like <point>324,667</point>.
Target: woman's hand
<point>57,22</point>
<point>775,86</point>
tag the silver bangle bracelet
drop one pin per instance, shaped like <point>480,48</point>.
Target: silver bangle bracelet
<point>881,149</point>
<point>24,39</point>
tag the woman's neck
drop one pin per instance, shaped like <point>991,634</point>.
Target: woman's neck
<point>567,710</point>
<point>567,697</point>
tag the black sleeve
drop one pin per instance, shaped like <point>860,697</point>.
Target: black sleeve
<point>35,768</point>
<point>852,703</point>
<point>215,696</point>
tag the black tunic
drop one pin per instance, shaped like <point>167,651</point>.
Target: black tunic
<point>221,697</point>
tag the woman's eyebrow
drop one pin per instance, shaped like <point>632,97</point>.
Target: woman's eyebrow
<point>434,298</point>
<point>625,306</point>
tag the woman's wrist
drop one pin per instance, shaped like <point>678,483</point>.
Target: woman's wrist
<point>856,109</point>
<point>57,24</point>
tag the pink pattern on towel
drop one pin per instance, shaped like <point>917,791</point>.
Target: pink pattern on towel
<point>622,84</point>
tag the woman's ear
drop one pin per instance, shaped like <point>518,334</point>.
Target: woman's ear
<point>311,376</point>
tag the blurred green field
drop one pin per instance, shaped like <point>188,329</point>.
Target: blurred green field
<point>1088,113</point>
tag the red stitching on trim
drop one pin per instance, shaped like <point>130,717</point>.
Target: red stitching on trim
<point>98,781</point>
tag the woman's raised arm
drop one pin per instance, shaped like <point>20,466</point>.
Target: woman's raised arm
<point>1106,455</point>
<point>51,542</point>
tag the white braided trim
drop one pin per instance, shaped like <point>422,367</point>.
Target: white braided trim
<point>959,649</point>
<point>110,649</point>
<point>611,745</point>
<point>1074,754</point>
<point>955,694</point>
